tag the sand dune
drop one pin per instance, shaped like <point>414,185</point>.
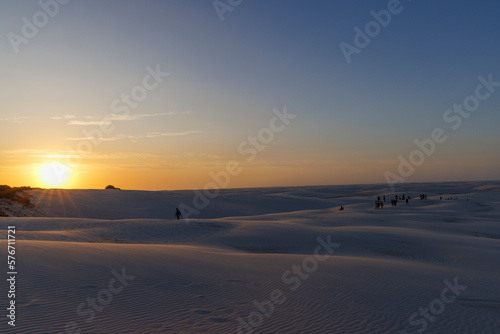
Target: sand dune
<point>277,260</point>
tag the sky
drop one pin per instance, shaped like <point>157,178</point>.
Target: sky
<point>163,95</point>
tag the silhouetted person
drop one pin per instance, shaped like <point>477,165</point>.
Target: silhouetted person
<point>178,213</point>
<point>406,201</point>
<point>341,208</point>
<point>384,198</point>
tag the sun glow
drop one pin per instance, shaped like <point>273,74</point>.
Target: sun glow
<point>54,175</point>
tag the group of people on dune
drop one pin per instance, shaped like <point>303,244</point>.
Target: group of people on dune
<point>379,203</point>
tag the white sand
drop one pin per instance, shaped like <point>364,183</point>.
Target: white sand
<point>204,277</point>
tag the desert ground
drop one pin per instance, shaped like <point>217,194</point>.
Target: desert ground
<point>263,260</point>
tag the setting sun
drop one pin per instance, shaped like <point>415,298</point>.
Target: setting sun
<point>54,175</point>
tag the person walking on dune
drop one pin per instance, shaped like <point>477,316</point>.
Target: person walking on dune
<point>178,213</point>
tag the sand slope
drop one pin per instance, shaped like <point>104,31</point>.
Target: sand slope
<point>211,275</point>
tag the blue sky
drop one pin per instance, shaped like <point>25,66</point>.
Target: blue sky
<point>225,78</point>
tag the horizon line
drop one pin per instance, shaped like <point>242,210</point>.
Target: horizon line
<point>268,187</point>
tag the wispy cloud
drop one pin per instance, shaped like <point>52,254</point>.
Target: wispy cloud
<point>122,156</point>
<point>34,153</point>
<point>15,119</point>
<point>107,119</point>
<point>102,122</point>
<point>57,154</point>
<point>165,134</point>
<point>117,117</point>
<point>63,117</point>
<point>147,135</point>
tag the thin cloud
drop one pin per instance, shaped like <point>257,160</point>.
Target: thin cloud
<point>122,156</point>
<point>118,117</point>
<point>148,135</point>
<point>34,153</point>
<point>15,119</point>
<point>63,117</point>
<point>105,120</point>
<point>102,122</point>
<point>109,138</point>
<point>55,154</point>
<point>165,134</point>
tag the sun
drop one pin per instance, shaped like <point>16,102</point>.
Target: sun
<point>54,175</point>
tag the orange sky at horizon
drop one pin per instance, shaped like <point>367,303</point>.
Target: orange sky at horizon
<point>146,177</point>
